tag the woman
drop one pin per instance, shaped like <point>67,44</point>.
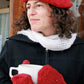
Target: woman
<point>45,35</point>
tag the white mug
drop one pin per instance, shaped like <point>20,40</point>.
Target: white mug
<point>30,69</point>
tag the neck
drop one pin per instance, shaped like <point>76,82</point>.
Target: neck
<point>49,32</point>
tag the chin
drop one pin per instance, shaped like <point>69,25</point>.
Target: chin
<point>36,29</point>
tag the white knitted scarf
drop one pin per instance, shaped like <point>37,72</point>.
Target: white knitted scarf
<point>53,42</point>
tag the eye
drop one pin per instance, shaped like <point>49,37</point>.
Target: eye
<point>39,5</point>
<point>28,7</point>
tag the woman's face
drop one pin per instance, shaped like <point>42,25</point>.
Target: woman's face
<point>39,15</point>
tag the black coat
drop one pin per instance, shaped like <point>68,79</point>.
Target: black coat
<point>70,62</point>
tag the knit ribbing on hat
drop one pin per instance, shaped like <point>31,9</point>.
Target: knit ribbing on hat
<point>57,3</point>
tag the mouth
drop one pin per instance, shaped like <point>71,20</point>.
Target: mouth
<point>34,20</point>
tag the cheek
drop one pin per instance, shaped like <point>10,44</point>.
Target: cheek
<point>47,18</point>
<point>47,14</point>
<point>48,11</point>
<point>48,21</point>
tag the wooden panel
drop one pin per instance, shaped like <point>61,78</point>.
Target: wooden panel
<point>16,7</point>
<point>4,10</point>
<point>81,20</point>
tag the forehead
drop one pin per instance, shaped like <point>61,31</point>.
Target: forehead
<point>35,2</point>
<point>32,1</point>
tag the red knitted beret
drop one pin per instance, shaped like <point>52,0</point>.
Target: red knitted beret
<point>57,3</point>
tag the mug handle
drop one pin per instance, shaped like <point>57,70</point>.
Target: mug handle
<point>11,69</point>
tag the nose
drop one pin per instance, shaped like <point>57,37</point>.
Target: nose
<point>32,11</point>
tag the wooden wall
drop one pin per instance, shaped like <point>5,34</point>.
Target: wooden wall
<point>16,7</point>
<point>81,20</point>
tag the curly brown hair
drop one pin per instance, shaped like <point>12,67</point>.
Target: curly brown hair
<point>64,21</point>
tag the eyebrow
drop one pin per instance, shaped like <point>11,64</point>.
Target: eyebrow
<point>34,2</point>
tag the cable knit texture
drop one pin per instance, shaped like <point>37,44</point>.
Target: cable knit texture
<point>22,79</point>
<point>53,42</point>
<point>49,75</point>
<point>57,3</point>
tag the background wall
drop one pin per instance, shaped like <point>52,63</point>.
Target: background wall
<point>4,4</point>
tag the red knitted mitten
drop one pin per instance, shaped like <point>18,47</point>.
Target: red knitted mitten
<point>22,79</point>
<point>49,75</point>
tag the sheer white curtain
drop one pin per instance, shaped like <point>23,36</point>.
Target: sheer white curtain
<point>4,26</point>
<point>75,10</point>
<point>75,7</point>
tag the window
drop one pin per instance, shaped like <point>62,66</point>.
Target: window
<point>4,25</point>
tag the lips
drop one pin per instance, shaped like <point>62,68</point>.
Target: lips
<point>34,20</point>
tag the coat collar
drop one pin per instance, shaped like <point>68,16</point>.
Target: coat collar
<point>20,37</point>
<point>78,41</point>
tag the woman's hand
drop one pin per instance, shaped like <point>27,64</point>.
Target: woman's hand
<point>22,79</point>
